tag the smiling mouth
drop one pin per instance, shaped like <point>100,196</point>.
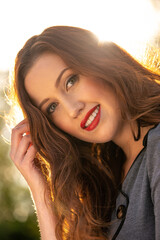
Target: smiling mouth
<point>91,119</point>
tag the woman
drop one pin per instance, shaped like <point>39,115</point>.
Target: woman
<point>89,147</point>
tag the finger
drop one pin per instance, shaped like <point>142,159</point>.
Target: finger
<point>22,149</point>
<point>30,154</point>
<point>16,136</point>
<point>28,133</point>
<point>27,162</point>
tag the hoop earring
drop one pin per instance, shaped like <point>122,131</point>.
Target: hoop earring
<point>136,138</point>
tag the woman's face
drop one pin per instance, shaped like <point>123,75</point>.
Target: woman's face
<point>84,107</point>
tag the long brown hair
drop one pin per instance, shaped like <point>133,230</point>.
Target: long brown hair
<point>84,177</point>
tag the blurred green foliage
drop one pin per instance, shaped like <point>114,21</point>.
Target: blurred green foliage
<point>17,214</point>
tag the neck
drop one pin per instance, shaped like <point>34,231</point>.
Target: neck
<point>131,147</point>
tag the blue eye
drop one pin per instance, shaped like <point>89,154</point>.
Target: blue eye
<point>71,81</point>
<point>51,108</point>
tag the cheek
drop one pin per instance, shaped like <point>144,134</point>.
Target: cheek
<point>96,90</point>
<point>62,122</point>
<point>90,87</point>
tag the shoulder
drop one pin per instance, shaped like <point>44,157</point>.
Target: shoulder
<point>153,144</point>
<point>154,133</point>
<point>153,159</point>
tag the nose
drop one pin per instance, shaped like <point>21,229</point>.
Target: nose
<point>73,107</point>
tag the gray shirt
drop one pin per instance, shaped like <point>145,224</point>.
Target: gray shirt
<point>137,213</point>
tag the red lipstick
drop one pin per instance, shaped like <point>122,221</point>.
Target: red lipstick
<point>94,122</point>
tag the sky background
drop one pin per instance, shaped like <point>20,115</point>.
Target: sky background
<point>128,23</point>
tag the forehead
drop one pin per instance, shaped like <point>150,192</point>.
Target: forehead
<point>42,75</point>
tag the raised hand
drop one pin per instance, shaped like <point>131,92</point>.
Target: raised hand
<point>23,154</point>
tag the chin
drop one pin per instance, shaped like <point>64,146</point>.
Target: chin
<point>102,139</point>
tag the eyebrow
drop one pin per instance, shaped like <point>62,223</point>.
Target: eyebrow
<point>56,85</point>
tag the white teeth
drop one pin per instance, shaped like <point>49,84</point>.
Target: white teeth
<point>92,117</point>
<point>94,114</point>
<point>88,122</point>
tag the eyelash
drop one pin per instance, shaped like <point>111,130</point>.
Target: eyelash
<point>73,78</point>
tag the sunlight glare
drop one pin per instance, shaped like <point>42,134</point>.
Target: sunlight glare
<point>130,24</point>
<point>125,22</point>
